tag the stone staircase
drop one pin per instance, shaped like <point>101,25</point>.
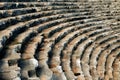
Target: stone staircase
<point>59,40</point>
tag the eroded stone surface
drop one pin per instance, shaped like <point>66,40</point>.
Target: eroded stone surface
<point>59,40</point>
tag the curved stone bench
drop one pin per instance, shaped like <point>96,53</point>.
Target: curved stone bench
<point>116,66</point>
<point>59,39</point>
<point>109,61</point>
<point>99,49</point>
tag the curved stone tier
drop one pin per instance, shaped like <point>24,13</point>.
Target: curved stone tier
<point>59,39</point>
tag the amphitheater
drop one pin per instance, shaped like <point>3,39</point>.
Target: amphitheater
<point>59,39</point>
